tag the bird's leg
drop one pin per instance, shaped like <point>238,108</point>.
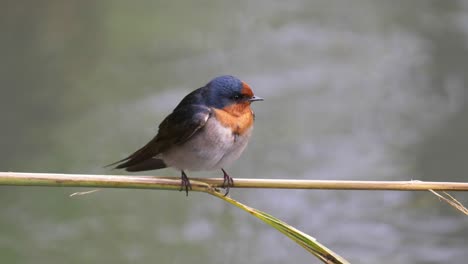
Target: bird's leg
<point>185,182</point>
<point>228,182</point>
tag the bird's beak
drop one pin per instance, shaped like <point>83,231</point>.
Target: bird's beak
<point>255,98</point>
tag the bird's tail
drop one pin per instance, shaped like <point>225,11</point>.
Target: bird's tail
<point>141,160</point>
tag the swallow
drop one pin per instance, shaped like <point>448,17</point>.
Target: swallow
<point>209,129</point>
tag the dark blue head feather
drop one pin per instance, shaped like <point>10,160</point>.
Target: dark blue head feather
<point>222,90</point>
<point>219,93</point>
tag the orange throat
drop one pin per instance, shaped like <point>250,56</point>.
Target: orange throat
<point>238,117</point>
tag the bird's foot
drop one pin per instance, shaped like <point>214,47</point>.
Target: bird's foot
<point>185,183</point>
<point>228,182</point>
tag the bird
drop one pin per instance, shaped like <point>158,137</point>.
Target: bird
<point>208,130</point>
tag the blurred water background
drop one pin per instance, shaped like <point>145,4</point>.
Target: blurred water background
<point>360,90</point>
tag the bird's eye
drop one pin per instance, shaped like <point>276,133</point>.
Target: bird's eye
<point>236,97</point>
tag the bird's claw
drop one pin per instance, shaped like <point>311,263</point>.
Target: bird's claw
<point>185,182</point>
<point>228,182</point>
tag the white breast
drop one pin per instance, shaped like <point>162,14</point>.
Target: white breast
<point>212,147</point>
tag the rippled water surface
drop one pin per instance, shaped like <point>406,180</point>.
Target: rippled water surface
<point>368,90</point>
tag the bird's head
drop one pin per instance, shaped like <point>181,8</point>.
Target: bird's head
<point>228,90</point>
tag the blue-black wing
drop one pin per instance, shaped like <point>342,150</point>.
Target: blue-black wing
<point>178,127</point>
